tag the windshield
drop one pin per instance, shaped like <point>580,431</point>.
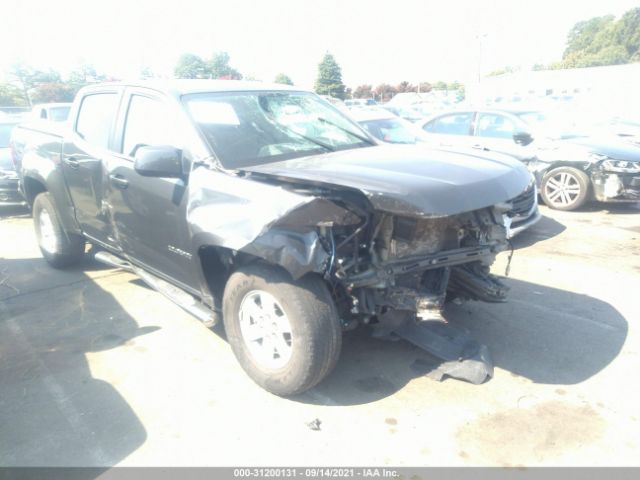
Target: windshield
<point>5,134</point>
<point>254,128</point>
<point>393,130</point>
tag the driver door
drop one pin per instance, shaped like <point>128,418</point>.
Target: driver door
<point>149,213</point>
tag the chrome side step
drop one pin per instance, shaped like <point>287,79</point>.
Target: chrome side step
<point>184,300</point>
<point>113,261</point>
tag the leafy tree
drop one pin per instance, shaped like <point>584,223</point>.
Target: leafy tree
<point>12,96</point>
<point>405,86</point>
<point>329,81</point>
<point>440,85</point>
<point>603,41</point>
<point>385,92</point>
<point>628,33</point>
<point>363,91</point>
<point>424,87</point>
<point>27,77</point>
<point>191,66</point>
<point>284,79</point>
<point>219,67</point>
<point>84,74</point>
<point>53,92</point>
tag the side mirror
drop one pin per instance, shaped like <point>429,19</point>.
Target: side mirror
<point>159,161</point>
<point>522,138</point>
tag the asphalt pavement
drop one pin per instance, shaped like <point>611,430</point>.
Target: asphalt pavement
<point>97,369</point>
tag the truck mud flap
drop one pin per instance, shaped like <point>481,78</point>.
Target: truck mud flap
<point>463,357</point>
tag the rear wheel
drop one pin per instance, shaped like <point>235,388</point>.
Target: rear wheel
<point>286,335</point>
<point>59,248</point>
<point>565,188</point>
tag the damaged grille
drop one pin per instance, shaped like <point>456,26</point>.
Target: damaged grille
<point>523,203</point>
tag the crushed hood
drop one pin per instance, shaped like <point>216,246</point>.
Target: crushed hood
<point>411,179</point>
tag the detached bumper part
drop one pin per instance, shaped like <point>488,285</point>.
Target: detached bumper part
<point>464,358</point>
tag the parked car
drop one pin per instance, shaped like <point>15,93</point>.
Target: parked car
<point>570,168</point>
<point>387,127</point>
<point>265,207</point>
<point>53,112</point>
<point>9,191</point>
<point>360,102</point>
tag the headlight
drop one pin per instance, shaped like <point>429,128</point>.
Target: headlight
<point>620,166</point>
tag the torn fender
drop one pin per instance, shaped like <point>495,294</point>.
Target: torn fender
<point>262,220</point>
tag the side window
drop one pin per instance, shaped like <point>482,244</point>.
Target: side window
<point>148,123</point>
<point>495,126</point>
<point>455,124</point>
<point>95,118</point>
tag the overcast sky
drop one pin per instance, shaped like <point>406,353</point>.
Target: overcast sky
<point>373,41</point>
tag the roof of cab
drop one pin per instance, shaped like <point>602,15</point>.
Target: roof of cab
<point>178,88</point>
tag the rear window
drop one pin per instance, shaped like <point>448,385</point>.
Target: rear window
<point>95,118</point>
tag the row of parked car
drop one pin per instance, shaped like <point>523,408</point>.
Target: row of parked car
<point>571,165</point>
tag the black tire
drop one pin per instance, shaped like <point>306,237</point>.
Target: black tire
<point>576,197</point>
<point>66,248</point>
<point>316,337</point>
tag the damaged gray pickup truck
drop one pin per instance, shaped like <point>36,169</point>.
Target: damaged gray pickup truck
<point>265,207</point>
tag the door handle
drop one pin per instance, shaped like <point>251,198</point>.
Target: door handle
<point>72,162</point>
<point>119,181</point>
<point>478,146</point>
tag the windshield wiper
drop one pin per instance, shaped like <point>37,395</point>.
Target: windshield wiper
<point>346,130</point>
<point>320,143</point>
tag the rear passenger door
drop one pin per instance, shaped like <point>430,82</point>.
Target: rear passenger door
<point>83,163</point>
<point>149,213</point>
<point>451,130</point>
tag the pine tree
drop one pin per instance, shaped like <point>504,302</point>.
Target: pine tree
<point>329,80</point>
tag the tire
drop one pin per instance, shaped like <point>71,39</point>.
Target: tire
<point>59,248</point>
<point>565,188</point>
<point>312,348</point>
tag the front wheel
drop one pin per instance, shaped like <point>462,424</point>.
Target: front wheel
<point>285,335</point>
<point>565,188</point>
<point>59,248</point>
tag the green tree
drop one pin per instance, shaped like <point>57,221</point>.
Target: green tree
<point>191,66</point>
<point>440,85</point>
<point>219,67</point>
<point>363,91</point>
<point>329,81</point>
<point>12,96</point>
<point>27,77</point>
<point>628,33</point>
<point>284,79</point>
<point>53,92</point>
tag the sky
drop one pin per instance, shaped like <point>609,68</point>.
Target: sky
<point>373,41</point>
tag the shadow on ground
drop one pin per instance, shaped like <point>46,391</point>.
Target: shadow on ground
<point>14,211</point>
<point>545,229</point>
<point>52,411</point>
<point>547,335</point>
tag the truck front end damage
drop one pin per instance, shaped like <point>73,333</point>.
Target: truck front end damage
<point>393,272</point>
<point>392,246</point>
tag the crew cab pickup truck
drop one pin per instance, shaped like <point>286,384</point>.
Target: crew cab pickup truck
<point>268,209</point>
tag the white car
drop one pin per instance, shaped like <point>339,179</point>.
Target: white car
<point>387,127</point>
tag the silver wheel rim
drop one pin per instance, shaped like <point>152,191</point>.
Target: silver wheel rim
<point>562,189</point>
<point>48,240</point>
<point>265,329</point>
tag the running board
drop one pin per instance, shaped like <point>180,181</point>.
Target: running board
<point>464,358</point>
<point>184,300</point>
